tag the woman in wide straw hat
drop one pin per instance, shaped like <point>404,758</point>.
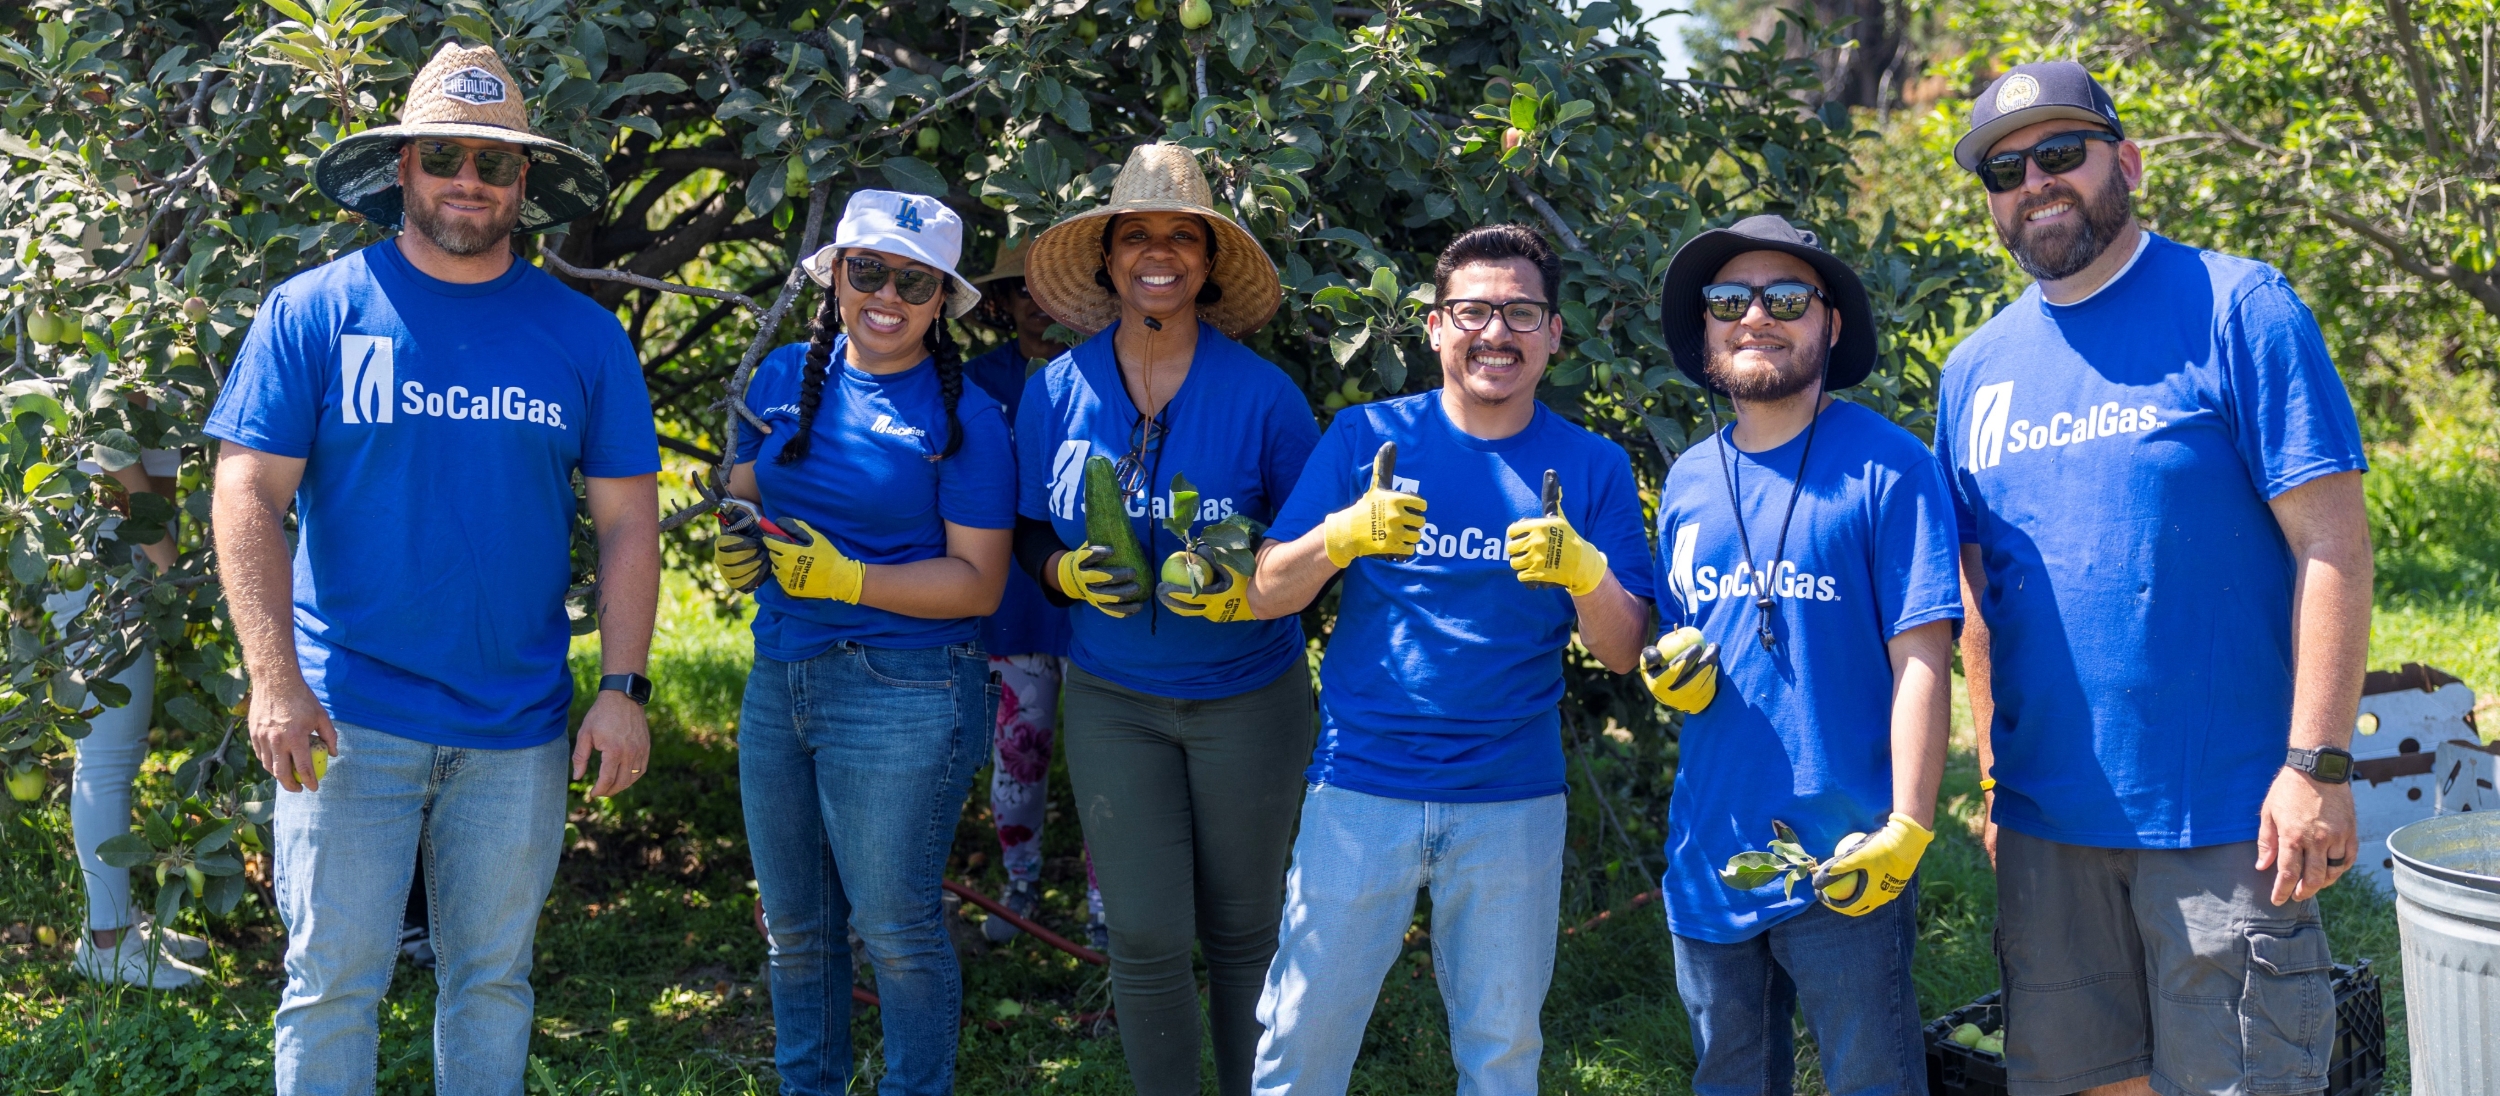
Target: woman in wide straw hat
<point>890,493</point>
<point>1188,722</point>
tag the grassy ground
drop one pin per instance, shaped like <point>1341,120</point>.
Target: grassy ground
<point>648,961</point>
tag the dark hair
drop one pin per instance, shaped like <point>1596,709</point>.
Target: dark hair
<point>938,341</point>
<point>1494,244</point>
<point>993,309</point>
<point>1208,291</point>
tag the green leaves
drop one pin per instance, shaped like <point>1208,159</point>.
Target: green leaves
<point>1786,862</point>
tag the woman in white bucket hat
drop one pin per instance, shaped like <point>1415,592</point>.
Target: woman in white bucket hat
<point>881,509</point>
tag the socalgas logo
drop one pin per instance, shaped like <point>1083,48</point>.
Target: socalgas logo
<point>371,393</point>
<point>886,425</point>
<point>364,379</point>
<point>1992,436</point>
<point>1695,586</point>
<point>1467,543</point>
<point>1067,479</point>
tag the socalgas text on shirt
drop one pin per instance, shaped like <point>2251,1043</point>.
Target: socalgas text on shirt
<point>1710,585</point>
<point>457,402</point>
<point>1468,543</point>
<point>2067,429</point>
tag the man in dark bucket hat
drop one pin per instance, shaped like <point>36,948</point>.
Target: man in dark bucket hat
<point>1806,558</point>
<point>2156,476</point>
<point>424,404</point>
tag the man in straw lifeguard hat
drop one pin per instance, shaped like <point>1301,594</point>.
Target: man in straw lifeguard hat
<point>424,402</point>
<point>1187,720</point>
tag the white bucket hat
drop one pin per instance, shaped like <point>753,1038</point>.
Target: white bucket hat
<point>896,223</point>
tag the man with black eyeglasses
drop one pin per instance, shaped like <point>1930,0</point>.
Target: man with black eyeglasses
<point>423,404</point>
<point>1440,759</point>
<point>2165,558</point>
<point>1809,601</point>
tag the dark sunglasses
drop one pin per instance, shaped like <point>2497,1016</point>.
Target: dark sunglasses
<point>1143,440</point>
<point>1523,317</point>
<point>1784,300</point>
<point>2057,156</point>
<point>495,167</point>
<point>868,275</point>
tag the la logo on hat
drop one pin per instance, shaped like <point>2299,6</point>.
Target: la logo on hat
<point>2020,91</point>
<point>474,85</point>
<point>909,216</point>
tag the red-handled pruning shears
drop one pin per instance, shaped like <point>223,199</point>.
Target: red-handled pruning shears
<point>741,518</point>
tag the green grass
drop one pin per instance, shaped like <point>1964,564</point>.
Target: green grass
<point>648,962</point>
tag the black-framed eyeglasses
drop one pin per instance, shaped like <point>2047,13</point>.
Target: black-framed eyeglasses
<point>1144,440</point>
<point>1784,299</point>
<point>1524,317</point>
<point>2056,155</point>
<point>495,167</point>
<point>868,274</point>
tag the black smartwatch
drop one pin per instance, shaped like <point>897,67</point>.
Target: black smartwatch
<point>2326,764</point>
<point>637,688</point>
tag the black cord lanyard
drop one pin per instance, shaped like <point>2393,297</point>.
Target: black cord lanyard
<point>1765,600</point>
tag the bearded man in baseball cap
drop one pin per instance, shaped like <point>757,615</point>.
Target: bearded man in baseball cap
<point>424,404</point>
<point>2166,567</point>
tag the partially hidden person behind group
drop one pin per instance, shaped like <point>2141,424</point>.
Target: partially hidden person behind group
<point>1441,756</point>
<point>1027,638</point>
<point>2156,476</point>
<point>1187,720</point>
<point>425,404</point>
<point>886,492</point>
<point>1811,591</point>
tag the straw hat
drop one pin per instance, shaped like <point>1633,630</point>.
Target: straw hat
<point>1158,178</point>
<point>462,92</point>
<point>1008,264</point>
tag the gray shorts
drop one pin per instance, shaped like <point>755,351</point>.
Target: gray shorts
<point>2172,963</point>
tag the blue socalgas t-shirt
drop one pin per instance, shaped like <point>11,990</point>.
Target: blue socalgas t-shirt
<point>1444,675</point>
<point>1240,430</point>
<point>1026,623</point>
<point>440,426</point>
<point>2113,459</point>
<point>871,481</point>
<point>1802,732</point>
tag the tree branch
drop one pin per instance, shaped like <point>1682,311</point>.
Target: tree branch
<point>548,252</point>
<point>1553,220</point>
<point>2425,93</point>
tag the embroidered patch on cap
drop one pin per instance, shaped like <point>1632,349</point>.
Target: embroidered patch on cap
<point>909,216</point>
<point>476,85</point>
<point>2018,92</point>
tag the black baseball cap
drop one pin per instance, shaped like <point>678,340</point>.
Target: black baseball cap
<point>2031,93</point>
<point>1699,260</point>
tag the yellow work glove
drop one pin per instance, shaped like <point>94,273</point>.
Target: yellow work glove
<point>1224,598</point>
<point>740,561</point>
<point>1085,576</point>
<point>1682,671</point>
<point>1383,522</point>
<point>1865,872</point>
<point>1547,551</point>
<point>814,568</point>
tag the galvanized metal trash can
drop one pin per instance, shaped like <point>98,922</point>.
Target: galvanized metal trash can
<point>2448,907</point>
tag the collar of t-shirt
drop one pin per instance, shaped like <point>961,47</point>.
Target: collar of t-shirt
<point>388,252</point>
<point>2143,239</point>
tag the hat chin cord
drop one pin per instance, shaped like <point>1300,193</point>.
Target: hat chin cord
<point>1767,601</point>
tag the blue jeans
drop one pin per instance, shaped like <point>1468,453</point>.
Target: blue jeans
<point>491,823</point>
<point>99,793</point>
<point>1495,870</point>
<point>852,767</point>
<point>1851,974</point>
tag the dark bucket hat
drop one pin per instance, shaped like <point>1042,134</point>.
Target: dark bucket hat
<point>1698,262</point>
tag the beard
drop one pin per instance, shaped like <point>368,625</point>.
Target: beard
<point>1804,368</point>
<point>2061,251</point>
<point>463,237</point>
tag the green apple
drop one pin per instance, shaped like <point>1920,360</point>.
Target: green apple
<point>1149,10</point>
<point>1188,569</point>
<point>1196,13</point>
<point>26,783</point>
<point>794,177</point>
<point>183,357</point>
<point>1336,401</point>
<point>45,936</point>
<point>1968,1035</point>
<point>930,139</point>
<point>195,309</point>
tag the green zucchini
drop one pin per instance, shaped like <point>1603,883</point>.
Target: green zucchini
<point>1106,518</point>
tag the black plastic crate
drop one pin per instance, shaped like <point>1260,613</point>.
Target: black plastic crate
<point>2356,1065</point>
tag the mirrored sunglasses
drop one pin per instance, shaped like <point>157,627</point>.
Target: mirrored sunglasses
<point>495,167</point>
<point>2057,156</point>
<point>868,274</point>
<point>1784,300</point>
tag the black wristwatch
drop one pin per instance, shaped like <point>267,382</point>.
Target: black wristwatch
<point>2326,764</point>
<point>636,687</point>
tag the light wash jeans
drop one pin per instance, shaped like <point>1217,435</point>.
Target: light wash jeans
<point>852,768</point>
<point>99,793</point>
<point>490,824</point>
<point>1495,870</point>
<point>1851,974</point>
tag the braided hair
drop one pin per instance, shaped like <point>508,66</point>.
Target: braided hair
<point>940,344</point>
<point>812,381</point>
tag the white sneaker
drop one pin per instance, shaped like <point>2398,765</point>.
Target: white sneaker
<point>132,960</point>
<point>180,945</point>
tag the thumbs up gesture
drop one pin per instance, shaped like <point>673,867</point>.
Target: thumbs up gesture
<point>1546,551</point>
<point>1383,522</point>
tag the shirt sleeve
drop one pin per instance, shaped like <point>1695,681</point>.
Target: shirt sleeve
<point>1291,436</point>
<point>273,400</point>
<point>1671,614</point>
<point>977,486</point>
<point>1033,438</point>
<point>1324,485</point>
<point>1615,524</point>
<point>621,439</point>
<point>1965,522</point>
<point>2290,417</point>
<point>1917,563</point>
